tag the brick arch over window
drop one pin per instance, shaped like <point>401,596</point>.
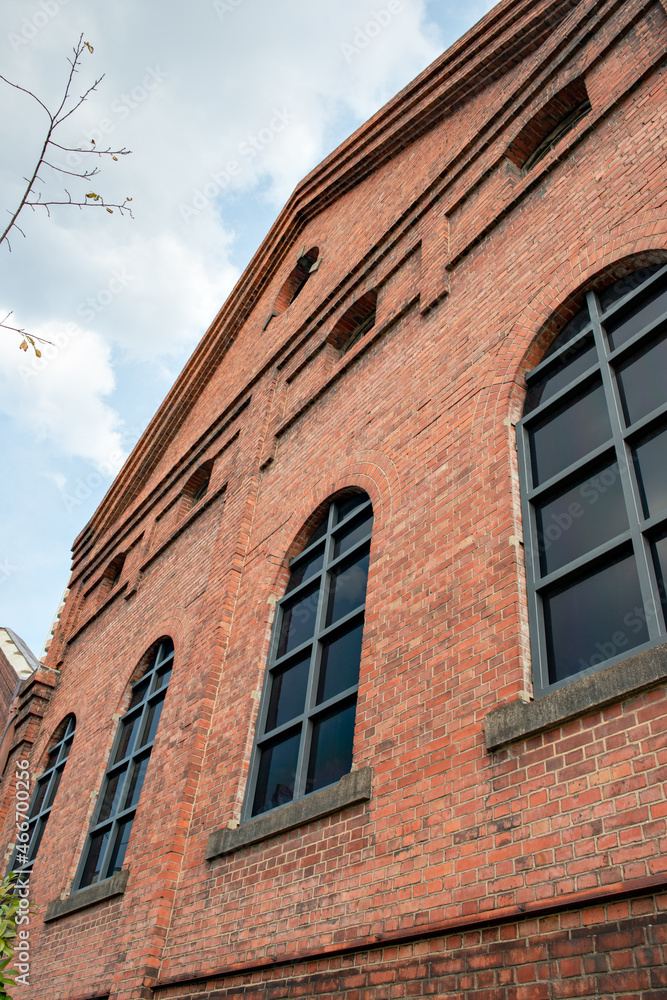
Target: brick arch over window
<point>43,797</point>
<point>593,467</point>
<point>306,719</point>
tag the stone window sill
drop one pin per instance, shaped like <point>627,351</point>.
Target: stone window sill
<point>114,886</point>
<point>352,788</point>
<point>518,720</point>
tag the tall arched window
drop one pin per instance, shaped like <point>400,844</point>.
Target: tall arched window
<point>117,804</point>
<point>306,718</point>
<point>593,461</point>
<point>41,803</point>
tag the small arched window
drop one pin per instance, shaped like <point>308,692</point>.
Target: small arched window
<point>307,262</point>
<point>593,461</point>
<point>305,727</point>
<point>197,485</point>
<point>41,803</point>
<point>116,807</point>
<point>560,115</point>
<point>113,571</point>
<point>355,322</point>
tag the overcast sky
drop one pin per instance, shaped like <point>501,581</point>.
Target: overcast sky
<point>189,87</point>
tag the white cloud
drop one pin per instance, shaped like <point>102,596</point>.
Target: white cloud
<point>60,396</point>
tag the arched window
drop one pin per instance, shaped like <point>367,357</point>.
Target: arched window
<point>355,322</point>
<point>113,571</point>
<point>307,263</point>
<point>28,841</point>
<point>117,804</point>
<point>306,718</point>
<point>593,461</point>
<point>197,485</point>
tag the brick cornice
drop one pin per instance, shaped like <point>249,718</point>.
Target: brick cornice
<point>508,34</point>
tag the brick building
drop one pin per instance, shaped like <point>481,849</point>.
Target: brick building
<point>388,569</point>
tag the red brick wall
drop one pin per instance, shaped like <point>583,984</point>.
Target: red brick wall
<point>537,862</point>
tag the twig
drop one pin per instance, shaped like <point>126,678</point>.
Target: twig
<point>56,119</point>
<point>27,338</point>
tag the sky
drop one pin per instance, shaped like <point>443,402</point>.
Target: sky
<point>190,88</point>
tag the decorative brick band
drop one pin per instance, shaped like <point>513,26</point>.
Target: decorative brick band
<point>518,720</point>
<point>352,788</point>
<point>599,896</point>
<point>114,886</point>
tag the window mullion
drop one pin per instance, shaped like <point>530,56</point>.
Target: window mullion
<point>533,573</point>
<point>647,583</point>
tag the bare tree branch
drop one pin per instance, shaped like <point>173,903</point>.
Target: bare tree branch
<point>56,119</point>
<point>33,199</point>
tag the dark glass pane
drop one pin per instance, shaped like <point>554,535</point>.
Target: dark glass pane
<point>320,531</point>
<point>136,781</point>
<point>53,787</point>
<point>36,835</point>
<point>139,692</point>
<point>128,728</point>
<point>569,331</point>
<point>42,788</point>
<point>348,589</point>
<point>660,558</point>
<point>162,678</point>
<point>574,362</point>
<point>120,846</point>
<point>165,652</point>
<point>331,749</point>
<point>275,778</point>
<point>643,381</point>
<point>651,464</point>
<point>642,311</point>
<point>288,693</point>
<point>346,506</point>
<point>96,848</point>
<point>339,668</point>
<point>306,568</point>
<point>572,432</point>
<point>626,285</point>
<point>298,621</point>
<point>584,516</point>
<point>111,796</point>
<point>353,534</point>
<point>150,725</point>
<point>594,618</point>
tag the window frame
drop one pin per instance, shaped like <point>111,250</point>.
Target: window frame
<point>160,655</point>
<point>642,531</point>
<point>311,710</point>
<point>39,820</point>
